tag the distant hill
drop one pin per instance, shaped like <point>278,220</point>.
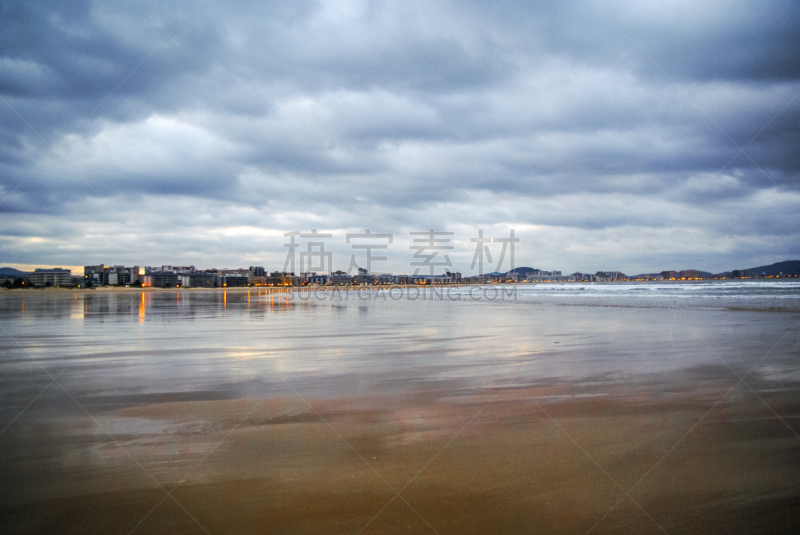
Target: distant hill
<point>524,271</point>
<point>11,272</point>
<point>787,267</point>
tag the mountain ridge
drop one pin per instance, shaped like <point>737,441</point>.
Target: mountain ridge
<point>11,272</point>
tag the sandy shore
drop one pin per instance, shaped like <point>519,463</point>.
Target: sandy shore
<point>212,412</point>
<point>533,460</point>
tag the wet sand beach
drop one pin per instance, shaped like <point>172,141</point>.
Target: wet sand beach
<point>223,412</point>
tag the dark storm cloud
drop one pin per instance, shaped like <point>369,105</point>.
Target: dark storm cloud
<point>710,40</point>
<point>567,117</point>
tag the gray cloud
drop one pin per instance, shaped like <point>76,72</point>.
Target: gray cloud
<point>578,120</point>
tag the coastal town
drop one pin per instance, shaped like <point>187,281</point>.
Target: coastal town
<point>166,276</point>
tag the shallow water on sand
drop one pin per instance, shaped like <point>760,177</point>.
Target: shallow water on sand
<point>547,408</point>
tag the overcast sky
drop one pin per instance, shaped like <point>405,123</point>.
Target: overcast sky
<point>610,135</point>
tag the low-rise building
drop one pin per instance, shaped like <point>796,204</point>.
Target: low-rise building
<point>313,278</point>
<point>648,277</point>
<point>364,277</point>
<point>179,269</point>
<point>57,277</point>
<point>610,276</point>
<point>102,275</point>
<point>199,279</point>
<point>96,275</point>
<point>161,279</point>
<point>386,279</point>
<point>256,276</point>
<point>455,278</point>
<point>284,278</point>
<point>232,281</point>
<point>538,275</point>
<point>340,278</point>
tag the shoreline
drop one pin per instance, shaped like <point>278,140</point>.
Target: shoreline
<point>275,289</point>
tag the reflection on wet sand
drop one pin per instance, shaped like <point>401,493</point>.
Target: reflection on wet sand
<point>394,417</point>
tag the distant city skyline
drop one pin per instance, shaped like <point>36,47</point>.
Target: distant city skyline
<point>632,136</point>
<point>172,277</point>
<point>791,267</point>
